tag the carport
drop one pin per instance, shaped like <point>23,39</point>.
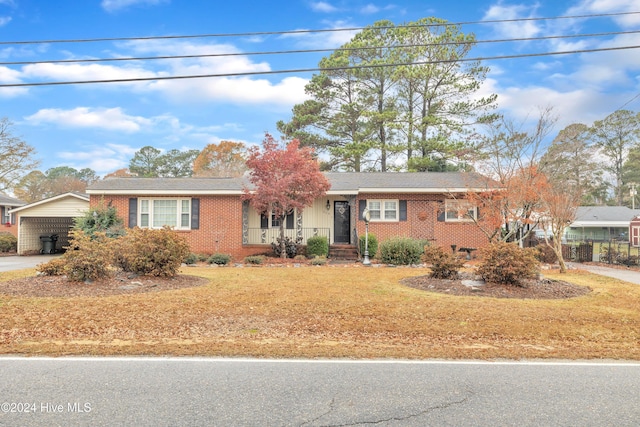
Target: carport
<point>48,217</point>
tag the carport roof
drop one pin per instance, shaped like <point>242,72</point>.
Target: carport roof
<point>81,196</point>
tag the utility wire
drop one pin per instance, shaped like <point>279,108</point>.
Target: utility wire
<point>307,70</point>
<point>281,52</point>
<point>288,32</point>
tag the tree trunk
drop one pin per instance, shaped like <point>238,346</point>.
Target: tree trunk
<point>283,246</point>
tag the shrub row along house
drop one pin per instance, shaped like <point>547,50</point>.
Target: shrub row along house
<point>213,217</point>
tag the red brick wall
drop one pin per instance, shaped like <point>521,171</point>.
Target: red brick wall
<point>422,222</point>
<point>13,229</point>
<point>220,224</point>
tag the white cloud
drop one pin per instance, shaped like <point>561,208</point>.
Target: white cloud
<point>104,159</point>
<point>323,6</point>
<point>369,9</point>
<point>84,72</point>
<point>4,20</point>
<point>112,119</point>
<point>610,6</point>
<point>242,90</point>
<point>513,29</point>
<point>114,5</point>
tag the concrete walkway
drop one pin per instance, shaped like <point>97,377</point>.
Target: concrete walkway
<point>626,274</point>
<point>9,263</point>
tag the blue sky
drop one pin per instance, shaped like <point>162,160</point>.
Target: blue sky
<point>100,126</point>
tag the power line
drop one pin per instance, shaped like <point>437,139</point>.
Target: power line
<point>326,30</point>
<point>308,70</point>
<point>281,52</point>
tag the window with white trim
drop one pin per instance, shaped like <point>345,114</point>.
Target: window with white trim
<point>383,210</point>
<point>157,213</point>
<point>460,210</point>
<point>7,216</point>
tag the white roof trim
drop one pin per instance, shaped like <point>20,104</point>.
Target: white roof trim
<point>165,192</point>
<point>49,200</point>
<point>599,224</point>
<point>419,190</point>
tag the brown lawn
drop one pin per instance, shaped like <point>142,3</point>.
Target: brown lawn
<point>327,312</point>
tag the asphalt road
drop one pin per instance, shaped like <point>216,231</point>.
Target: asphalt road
<point>234,392</point>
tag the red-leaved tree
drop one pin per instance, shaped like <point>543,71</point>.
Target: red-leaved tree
<point>285,177</point>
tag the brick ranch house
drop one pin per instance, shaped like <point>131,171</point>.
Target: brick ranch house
<point>212,216</point>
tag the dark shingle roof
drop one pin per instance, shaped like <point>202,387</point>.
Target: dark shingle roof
<point>345,182</point>
<point>10,201</point>
<point>604,214</point>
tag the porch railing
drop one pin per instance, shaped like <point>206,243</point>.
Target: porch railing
<point>265,236</point>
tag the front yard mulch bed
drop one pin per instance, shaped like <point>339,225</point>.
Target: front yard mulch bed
<point>529,289</point>
<point>120,283</point>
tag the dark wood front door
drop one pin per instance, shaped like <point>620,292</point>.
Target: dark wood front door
<point>341,222</point>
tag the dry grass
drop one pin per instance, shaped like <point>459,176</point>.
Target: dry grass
<point>342,312</point>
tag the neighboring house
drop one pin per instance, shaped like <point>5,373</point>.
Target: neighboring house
<point>8,220</point>
<point>601,223</point>
<point>212,216</point>
<point>48,217</point>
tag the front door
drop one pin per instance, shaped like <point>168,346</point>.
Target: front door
<point>341,222</point>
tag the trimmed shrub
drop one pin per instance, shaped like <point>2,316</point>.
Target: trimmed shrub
<point>401,251</point>
<point>151,252</point>
<point>545,254</point>
<point>55,267</point>
<point>444,264</point>
<point>88,257</point>
<point>373,245</point>
<point>319,260</point>
<point>290,246</point>
<point>317,246</point>
<point>219,259</point>
<point>254,259</point>
<point>507,263</point>
<point>8,242</point>
<point>191,259</point>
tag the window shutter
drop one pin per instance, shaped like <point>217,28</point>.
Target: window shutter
<point>264,221</point>
<point>289,223</point>
<point>403,210</point>
<point>195,214</point>
<point>362,205</point>
<point>2,208</point>
<point>133,212</point>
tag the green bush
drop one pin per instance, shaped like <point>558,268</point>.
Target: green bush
<point>151,252</point>
<point>373,245</point>
<point>507,263</point>
<point>101,219</point>
<point>254,259</point>
<point>401,251</point>
<point>87,258</point>
<point>8,242</point>
<point>317,246</point>
<point>219,259</point>
<point>191,259</point>
<point>444,264</point>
